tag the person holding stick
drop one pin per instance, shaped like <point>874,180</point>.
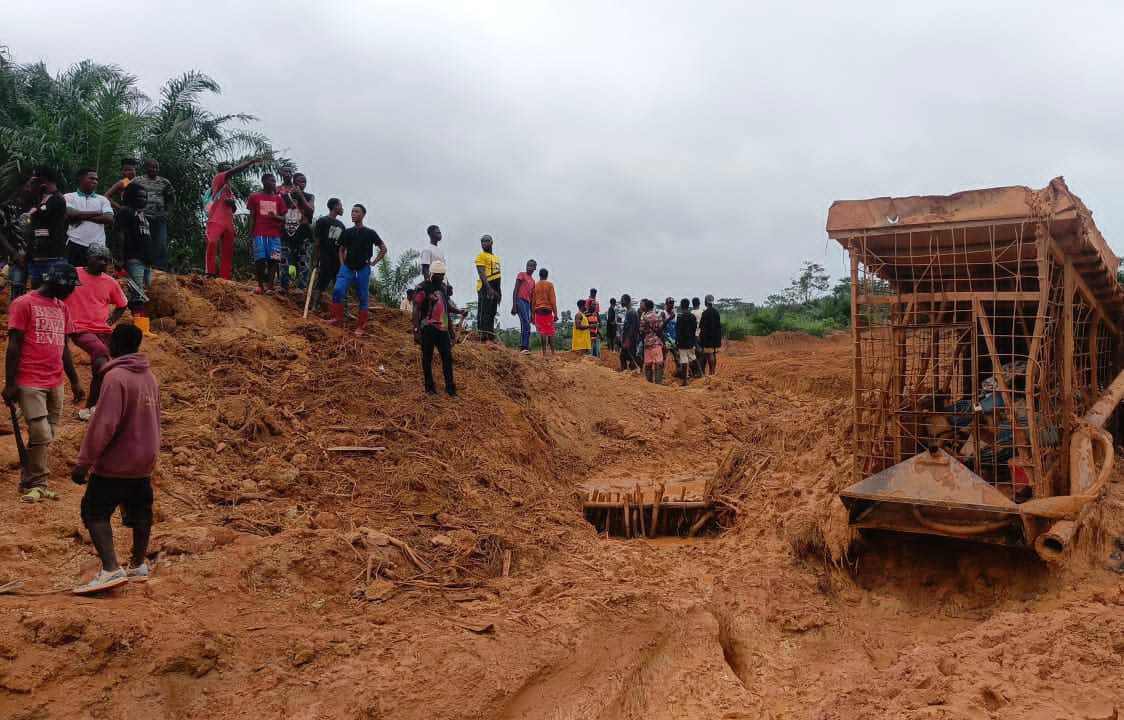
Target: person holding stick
<point>35,362</point>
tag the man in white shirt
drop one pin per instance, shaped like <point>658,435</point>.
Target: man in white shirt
<point>89,215</point>
<point>431,253</point>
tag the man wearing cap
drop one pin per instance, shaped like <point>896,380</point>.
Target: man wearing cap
<point>95,305</point>
<point>433,327</point>
<point>487,289</point>
<point>34,364</point>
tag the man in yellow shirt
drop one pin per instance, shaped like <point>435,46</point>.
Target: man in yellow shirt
<point>488,291</point>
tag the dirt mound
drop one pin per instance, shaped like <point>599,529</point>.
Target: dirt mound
<point>308,581</point>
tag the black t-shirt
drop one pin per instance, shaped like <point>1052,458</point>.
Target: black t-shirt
<point>359,244</point>
<point>710,328</point>
<point>295,230</point>
<point>327,232</point>
<point>48,228</point>
<point>138,239</point>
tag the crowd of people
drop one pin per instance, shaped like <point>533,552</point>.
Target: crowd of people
<point>63,293</point>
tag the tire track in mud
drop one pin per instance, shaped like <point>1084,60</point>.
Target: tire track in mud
<point>666,668</point>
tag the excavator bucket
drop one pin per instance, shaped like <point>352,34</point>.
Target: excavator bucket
<point>934,493</point>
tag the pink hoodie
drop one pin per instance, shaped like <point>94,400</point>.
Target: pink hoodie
<point>123,438</point>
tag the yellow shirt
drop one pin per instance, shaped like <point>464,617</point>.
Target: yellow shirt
<point>580,339</point>
<point>491,265</point>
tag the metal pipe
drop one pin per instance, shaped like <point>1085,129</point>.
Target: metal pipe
<point>1102,410</point>
<point>1051,545</point>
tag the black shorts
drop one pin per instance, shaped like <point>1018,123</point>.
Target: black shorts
<point>105,494</point>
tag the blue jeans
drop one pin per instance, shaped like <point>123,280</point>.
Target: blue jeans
<point>523,309</point>
<point>158,229</point>
<point>596,347</point>
<point>360,279</point>
<point>140,274</point>
<point>17,280</point>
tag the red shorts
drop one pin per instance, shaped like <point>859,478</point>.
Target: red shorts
<point>96,345</point>
<point>544,323</point>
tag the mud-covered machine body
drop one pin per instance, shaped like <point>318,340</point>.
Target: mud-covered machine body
<point>986,330</point>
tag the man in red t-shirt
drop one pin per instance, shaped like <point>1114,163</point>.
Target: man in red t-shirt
<point>34,364</point>
<point>267,216</point>
<point>220,219</point>
<point>89,306</point>
<point>522,302</point>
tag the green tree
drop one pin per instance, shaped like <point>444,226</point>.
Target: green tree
<point>810,283</point>
<point>92,114</point>
<point>390,281</point>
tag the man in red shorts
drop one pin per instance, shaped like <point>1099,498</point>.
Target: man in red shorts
<point>90,310</point>
<point>220,219</point>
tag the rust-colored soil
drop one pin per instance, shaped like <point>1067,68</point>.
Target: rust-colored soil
<point>294,582</point>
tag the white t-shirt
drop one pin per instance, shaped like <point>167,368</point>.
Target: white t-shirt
<point>87,232</point>
<point>430,254</point>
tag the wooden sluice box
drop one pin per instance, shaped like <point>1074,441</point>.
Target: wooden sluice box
<point>636,506</point>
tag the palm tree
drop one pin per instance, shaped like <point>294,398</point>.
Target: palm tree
<point>391,280</point>
<point>94,115</point>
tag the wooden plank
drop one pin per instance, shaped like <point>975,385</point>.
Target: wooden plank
<point>1083,288</point>
<point>1001,379</point>
<point>1094,327</point>
<point>1033,366</point>
<point>903,229</point>
<point>356,449</point>
<point>857,363</point>
<point>986,296</point>
<point>1069,277</point>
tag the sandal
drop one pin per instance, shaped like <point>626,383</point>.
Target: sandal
<point>33,495</point>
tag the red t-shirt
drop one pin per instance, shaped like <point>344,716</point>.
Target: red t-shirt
<point>220,211</point>
<point>45,323</point>
<point>526,287</point>
<point>90,302</point>
<point>436,315</point>
<point>260,205</point>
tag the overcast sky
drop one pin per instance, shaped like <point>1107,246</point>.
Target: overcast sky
<point>660,148</point>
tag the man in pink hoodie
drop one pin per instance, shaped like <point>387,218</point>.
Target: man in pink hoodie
<point>121,446</point>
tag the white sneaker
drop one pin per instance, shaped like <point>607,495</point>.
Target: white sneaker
<point>138,573</point>
<point>85,413</point>
<point>524,352</point>
<point>103,581</point>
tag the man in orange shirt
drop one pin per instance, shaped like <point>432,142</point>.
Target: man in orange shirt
<point>546,311</point>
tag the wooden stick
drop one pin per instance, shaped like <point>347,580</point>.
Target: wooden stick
<point>640,511</point>
<point>308,295</point>
<point>664,505</point>
<point>653,527</point>
<point>506,563</point>
<point>699,523</point>
<point>1000,379</point>
<point>627,519</point>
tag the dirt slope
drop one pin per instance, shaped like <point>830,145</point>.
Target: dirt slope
<point>282,590</point>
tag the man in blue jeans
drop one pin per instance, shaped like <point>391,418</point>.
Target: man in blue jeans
<point>522,298</point>
<point>357,244</point>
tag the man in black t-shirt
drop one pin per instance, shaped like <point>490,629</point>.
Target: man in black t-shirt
<point>326,253</point>
<point>357,244</point>
<point>48,228</point>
